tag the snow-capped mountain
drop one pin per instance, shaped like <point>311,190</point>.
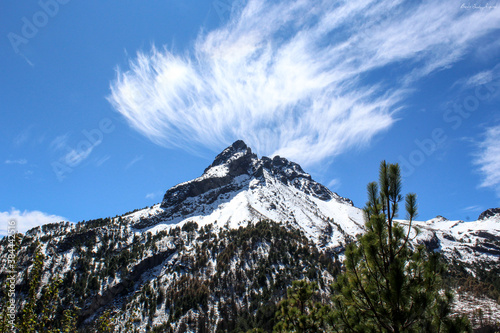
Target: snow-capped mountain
<point>239,188</point>
<point>219,251</point>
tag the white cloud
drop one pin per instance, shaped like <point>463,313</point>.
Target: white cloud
<point>154,195</point>
<point>60,142</point>
<point>488,159</point>
<point>23,136</point>
<point>72,157</point>
<point>133,161</point>
<point>474,208</point>
<point>26,220</point>
<point>102,160</point>
<point>480,78</point>
<point>291,77</point>
<point>76,156</point>
<point>21,161</point>
<point>334,183</point>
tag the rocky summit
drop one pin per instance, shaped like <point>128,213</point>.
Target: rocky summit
<point>489,213</point>
<point>235,166</point>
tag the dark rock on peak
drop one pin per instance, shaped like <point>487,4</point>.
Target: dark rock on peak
<point>239,144</point>
<point>238,158</point>
<point>222,177</point>
<point>285,171</point>
<point>229,153</point>
<point>489,213</point>
<point>292,174</point>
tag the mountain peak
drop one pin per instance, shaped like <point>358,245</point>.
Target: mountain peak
<point>234,152</point>
<point>489,213</point>
<point>239,144</point>
<point>237,169</point>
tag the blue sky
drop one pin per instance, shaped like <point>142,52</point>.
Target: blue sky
<point>105,105</point>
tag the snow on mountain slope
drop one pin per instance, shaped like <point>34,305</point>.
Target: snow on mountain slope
<point>150,266</point>
<point>465,242</point>
<point>238,188</point>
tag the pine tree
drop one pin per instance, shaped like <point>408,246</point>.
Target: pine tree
<point>68,322</point>
<point>105,322</point>
<point>299,312</point>
<point>49,303</point>
<point>28,320</point>
<point>39,314</point>
<point>387,286</point>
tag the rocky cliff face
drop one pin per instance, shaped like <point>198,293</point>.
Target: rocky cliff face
<point>238,188</point>
<point>489,213</point>
<point>236,164</point>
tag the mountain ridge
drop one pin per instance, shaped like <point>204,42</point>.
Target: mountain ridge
<point>238,188</point>
<point>233,239</point>
<point>237,160</point>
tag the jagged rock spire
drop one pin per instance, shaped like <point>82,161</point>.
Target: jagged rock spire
<point>231,172</point>
<point>237,153</point>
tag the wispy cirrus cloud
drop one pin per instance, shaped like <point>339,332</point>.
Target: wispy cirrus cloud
<point>154,195</point>
<point>334,183</point>
<point>60,142</point>
<point>481,78</point>
<point>100,161</point>
<point>20,161</point>
<point>23,136</point>
<point>488,159</point>
<point>297,78</point>
<point>133,161</point>
<point>474,208</point>
<point>76,156</point>
<point>26,220</point>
